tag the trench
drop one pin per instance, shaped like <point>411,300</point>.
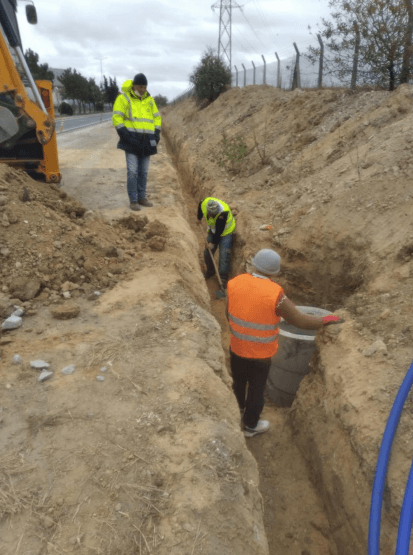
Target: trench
<point>294,515</point>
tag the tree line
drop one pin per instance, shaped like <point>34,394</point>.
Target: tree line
<point>79,89</point>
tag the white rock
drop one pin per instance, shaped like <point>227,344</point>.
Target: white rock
<point>100,378</point>
<point>68,370</point>
<point>377,347</point>
<point>67,295</point>
<point>103,369</point>
<point>17,359</point>
<point>39,364</point>
<point>18,312</point>
<point>45,375</point>
<point>12,323</point>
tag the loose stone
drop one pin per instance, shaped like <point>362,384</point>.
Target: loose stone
<point>100,378</point>
<point>39,364</point>
<point>17,359</point>
<point>45,375</point>
<point>18,312</point>
<point>12,323</point>
<point>68,370</point>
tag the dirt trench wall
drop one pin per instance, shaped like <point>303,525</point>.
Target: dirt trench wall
<point>336,189</point>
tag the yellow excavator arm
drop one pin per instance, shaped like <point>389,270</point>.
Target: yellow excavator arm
<point>27,127</point>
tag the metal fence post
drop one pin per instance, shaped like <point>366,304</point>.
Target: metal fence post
<point>320,71</point>
<point>278,72</point>
<point>236,76</point>
<point>245,75</point>
<point>253,79</point>
<point>356,56</point>
<point>297,78</point>
<point>265,70</point>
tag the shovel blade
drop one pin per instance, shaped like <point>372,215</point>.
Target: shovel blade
<point>220,295</point>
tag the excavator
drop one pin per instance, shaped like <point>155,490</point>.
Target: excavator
<point>27,119</point>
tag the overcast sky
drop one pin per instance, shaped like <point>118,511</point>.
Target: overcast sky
<point>162,39</point>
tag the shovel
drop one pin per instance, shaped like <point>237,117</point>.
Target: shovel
<point>220,294</point>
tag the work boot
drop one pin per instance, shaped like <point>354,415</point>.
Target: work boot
<point>260,428</point>
<point>145,202</point>
<point>134,206</point>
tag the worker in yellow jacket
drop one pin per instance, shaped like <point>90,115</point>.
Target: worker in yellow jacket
<point>221,225</point>
<point>138,124</point>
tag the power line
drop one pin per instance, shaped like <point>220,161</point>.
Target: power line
<point>242,11</point>
<point>264,20</point>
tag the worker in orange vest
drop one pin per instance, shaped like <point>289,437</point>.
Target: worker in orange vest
<point>255,306</point>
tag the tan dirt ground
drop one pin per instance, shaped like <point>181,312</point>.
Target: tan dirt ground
<point>331,172</point>
<point>152,460</point>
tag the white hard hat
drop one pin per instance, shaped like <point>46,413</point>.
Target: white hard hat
<point>267,261</point>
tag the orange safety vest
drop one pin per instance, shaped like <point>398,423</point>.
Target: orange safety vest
<point>252,302</point>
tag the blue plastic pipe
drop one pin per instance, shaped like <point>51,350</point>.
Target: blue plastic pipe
<point>382,464</point>
<point>406,518</point>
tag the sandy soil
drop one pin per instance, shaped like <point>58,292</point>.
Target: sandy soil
<point>152,459</point>
<point>329,173</point>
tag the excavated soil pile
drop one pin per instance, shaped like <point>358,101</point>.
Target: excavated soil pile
<point>326,180</point>
<point>120,434</point>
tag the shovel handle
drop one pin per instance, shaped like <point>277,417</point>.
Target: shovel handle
<point>216,268</point>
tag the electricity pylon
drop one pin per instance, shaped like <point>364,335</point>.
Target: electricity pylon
<point>225,23</point>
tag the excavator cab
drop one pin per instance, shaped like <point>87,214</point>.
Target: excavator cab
<point>27,119</point>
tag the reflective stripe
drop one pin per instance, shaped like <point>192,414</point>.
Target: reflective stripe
<point>119,113</point>
<point>134,130</point>
<point>158,127</point>
<point>129,103</point>
<point>156,114</point>
<point>140,120</point>
<point>229,221</point>
<point>251,325</point>
<point>119,126</point>
<point>254,338</point>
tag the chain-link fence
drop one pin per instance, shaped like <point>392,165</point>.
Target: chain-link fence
<point>294,70</point>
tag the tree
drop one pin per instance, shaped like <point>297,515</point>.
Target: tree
<point>384,39</point>
<point>160,100</point>
<point>211,77</point>
<point>110,91</point>
<point>94,93</point>
<point>41,71</point>
<point>75,87</point>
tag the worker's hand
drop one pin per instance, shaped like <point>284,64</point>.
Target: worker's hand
<point>332,319</point>
<point>123,134</point>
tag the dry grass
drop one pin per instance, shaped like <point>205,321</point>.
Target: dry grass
<point>14,496</point>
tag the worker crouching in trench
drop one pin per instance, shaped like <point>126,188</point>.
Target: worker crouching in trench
<point>221,225</point>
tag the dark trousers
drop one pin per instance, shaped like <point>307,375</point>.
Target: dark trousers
<point>254,373</point>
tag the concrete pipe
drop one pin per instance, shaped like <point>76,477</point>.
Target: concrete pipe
<point>292,360</point>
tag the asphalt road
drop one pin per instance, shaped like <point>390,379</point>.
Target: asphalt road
<point>70,123</point>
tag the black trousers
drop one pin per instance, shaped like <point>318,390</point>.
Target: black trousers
<point>254,373</point>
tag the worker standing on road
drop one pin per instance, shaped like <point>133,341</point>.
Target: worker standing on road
<point>138,124</point>
<point>221,225</point>
<point>255,307</point>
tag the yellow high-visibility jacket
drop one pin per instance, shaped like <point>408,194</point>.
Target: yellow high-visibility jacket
<point>137,121</point>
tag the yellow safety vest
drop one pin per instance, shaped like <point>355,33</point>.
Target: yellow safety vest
<point>229,226</point>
